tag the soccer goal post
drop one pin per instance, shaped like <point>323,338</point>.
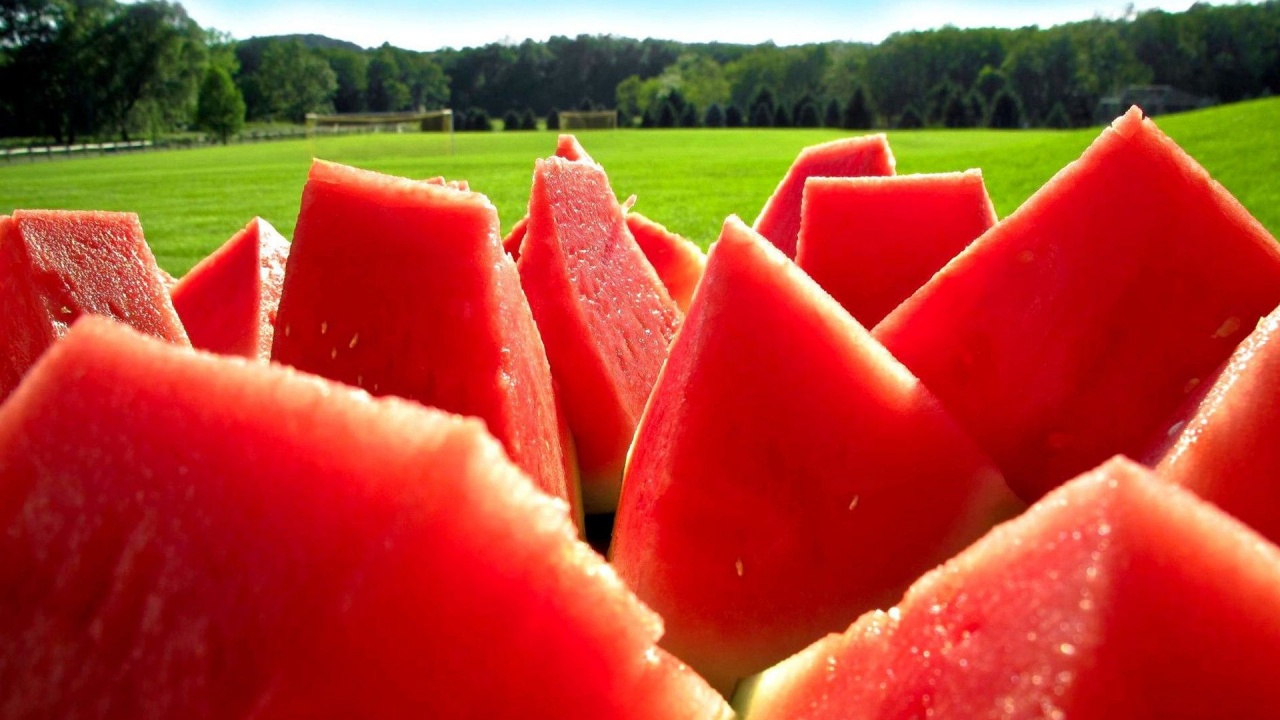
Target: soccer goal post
<point>588,119</point>
<point>425,121</point>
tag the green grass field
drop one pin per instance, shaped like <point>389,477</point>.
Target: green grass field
<point>190,201</point>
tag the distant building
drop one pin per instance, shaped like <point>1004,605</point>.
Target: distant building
<point>1153,99</point>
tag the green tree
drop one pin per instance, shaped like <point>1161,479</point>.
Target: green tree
<point>158,58</point>
<point>857,114</point>
<point>831,118</point>
<point>689,116</point>
<point>733,116</point>
<point>910,119</point>
<point>714,117</point>
<point>295,81</point>
<point>1006,111</point>
<point>221,108</point>
<point>511,120</point>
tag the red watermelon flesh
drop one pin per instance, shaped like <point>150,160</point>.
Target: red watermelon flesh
<point>56,265</point>
<point>1116,596</point>
<point>511,243</point>
<point>788,474</point>
<point>873,241</point>
<point>228,301</point>
<point>1224,447</point>
<point>567,147</point>
<point>605,317</point>
<point>678,262</point>
<point>189,535</point>
<point>401,288</point>
<point>779,220</point>
<point>452,184</point>
<point>1075,328</point>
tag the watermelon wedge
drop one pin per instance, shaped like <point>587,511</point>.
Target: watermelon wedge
<point>228,301</point>
<point>678,262</point>
<point>567,147</point>
<point>1116,596</point>
<point>873,241</point>
<point>401,288</point>
<point>56,265</point>
<point>187,535</point>
<point>779,219</point>
<point>1076,327</point>
<point>755,521</point>
<point>605,317</point>
<point>1224,446</point>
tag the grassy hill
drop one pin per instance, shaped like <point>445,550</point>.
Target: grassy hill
<point>191,201</point>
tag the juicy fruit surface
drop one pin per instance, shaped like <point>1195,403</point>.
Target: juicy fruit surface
<point>241,539</point>
<point>1225,448</point>
<point>1063,612</point>
<point>56,265</point>
<point>605,317</point>
<point>779,220</point>
<point>788,474</point>
<point>678,262</point>
<point>871,242</point>
<point>401,288</point>
<point>1075,327</point>
<point>228,301</point>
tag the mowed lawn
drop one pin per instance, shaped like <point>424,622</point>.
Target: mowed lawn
<point>190,201</point>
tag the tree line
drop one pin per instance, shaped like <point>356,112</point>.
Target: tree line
<point>101,68</point>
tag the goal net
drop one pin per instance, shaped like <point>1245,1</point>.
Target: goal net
<point>424,121</point>
<point>588,120</point>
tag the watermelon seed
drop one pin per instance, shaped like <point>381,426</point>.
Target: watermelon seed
<point>1067,649</point>
<point>354,339</point>
<point>1026,256</point>
<point>1177,428</point>
<point>1191,385</point>
<point>333,354</point>
<point>853,503</point>
<point>359,381</point>
<point>324,327</point>
<point>1228,327</point>
<point>738,565</point>
<point>287,330</point>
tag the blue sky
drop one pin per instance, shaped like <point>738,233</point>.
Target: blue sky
<point>425,25</point>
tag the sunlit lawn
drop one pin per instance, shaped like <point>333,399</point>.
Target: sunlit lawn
<point>190,201</point>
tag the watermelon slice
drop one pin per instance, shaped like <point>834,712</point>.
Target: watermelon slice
<point>605,317</point>
<point>567,147</point>
<point>678,262</point>
<point>400,287</point>
<point>228,301</point>
<point>1076,327</point>
<point>185,535</point>
<point>755,521</point>
<point>1224,447</point>
<point>873,241</point>
<point>56,265</point>
<point>779,220</point>
<point>1114,597</point>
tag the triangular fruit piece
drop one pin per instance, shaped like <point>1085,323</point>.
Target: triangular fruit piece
<point>1116,596</point>
<point>400,287</point>
<point>678,262</point>
<point>1073,329</point>
<point>189,535</point>
<point>1224,447</point>
<point>605,317</point>
<point>228,301</point>
<point>56,265</point>
<point>788,474</point>
<point>873,241</point>
<point>779,220</point>
<point>511,243</point>
<point>567,147</point>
